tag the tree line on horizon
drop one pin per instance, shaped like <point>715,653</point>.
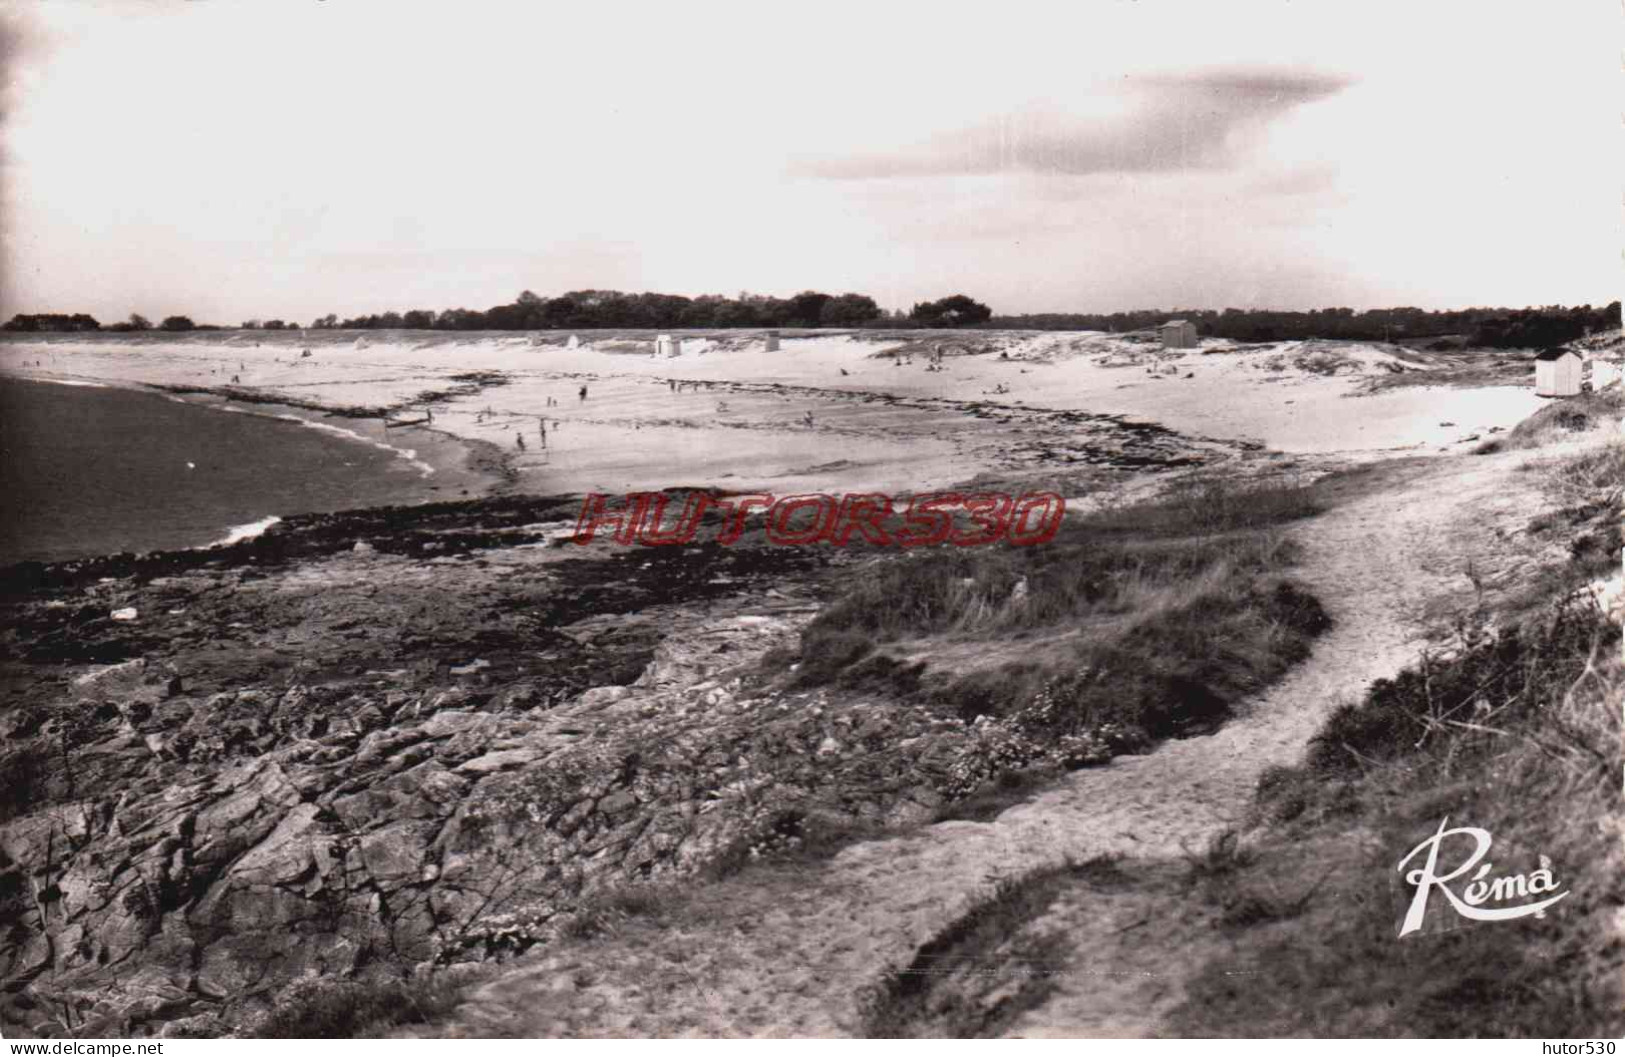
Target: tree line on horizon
<point>1496,328</point>
<point>55,321</point>
<point>1534,327</point>
<point>589,309</point>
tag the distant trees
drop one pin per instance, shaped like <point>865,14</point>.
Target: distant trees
<point>806,308</point>
<point>1535,327</point>
<point>136,322</point>
<point>53,321</point>
<point>1484,327</point>
<point>586,309</point>
<point>848,310</point>
<point>955,311</point>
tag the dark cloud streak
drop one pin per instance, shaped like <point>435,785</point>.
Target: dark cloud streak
<point>1168,123</point>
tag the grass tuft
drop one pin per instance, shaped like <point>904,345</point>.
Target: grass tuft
<point>1560,420</point>
<point>328,1009</point>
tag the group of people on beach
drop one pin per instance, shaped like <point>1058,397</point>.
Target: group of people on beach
<point>541,422</point>
<point>541,433</point>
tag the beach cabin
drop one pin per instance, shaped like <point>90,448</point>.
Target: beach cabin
<point>1179,334</point>
<point>1557,373</point>
<point>772,341</point>
<point>666,345</point>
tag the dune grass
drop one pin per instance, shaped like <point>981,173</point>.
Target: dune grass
<point>1183,604</point>
<point>1515,730</point>
<point>1561,419</point>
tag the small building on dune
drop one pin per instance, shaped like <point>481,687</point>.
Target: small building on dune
<point>1558,372</point>
<point>771,341</point>
<point>1178,334</point>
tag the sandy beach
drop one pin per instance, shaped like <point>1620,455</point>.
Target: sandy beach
<point>826,412</point>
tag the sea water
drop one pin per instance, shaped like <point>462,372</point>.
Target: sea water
<point>88,470</point>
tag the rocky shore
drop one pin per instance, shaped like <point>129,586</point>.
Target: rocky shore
<point>407,737</point>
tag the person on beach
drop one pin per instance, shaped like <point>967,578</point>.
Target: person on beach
<point>673,383</point>
<point>583,394</point>
<point>541,425</point>
<point>519,439</point>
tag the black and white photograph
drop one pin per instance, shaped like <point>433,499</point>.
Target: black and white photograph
<point>542,520</point>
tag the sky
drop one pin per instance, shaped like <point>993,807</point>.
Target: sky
<point>259,159</point>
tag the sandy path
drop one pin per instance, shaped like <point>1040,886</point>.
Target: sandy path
<point>773,953</point>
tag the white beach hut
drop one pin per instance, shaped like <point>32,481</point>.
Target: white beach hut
<point>772,341</point>
<point>1178,334</point>
<point>666,345</point>
<point>1558,373</point>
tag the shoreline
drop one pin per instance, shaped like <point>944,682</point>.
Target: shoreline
<point>469,463</point>
<point>1085,415</point>
<point>448,466</point>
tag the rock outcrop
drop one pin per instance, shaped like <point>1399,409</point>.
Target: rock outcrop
<point>362,761</point>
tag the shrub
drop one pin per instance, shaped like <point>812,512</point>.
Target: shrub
<point>1503,679</point>
<point>328,1009</point>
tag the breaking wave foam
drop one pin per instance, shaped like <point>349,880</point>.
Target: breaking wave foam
<point>73,382</point>
<point>239,533</point>
<point>409,454</point>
